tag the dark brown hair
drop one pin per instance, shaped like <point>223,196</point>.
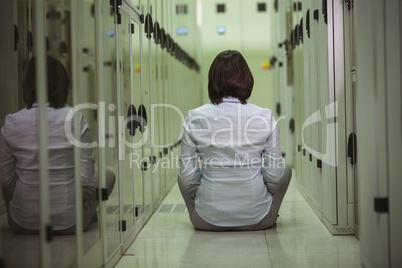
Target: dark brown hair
<point>229,76</point>
<point>57,83</point>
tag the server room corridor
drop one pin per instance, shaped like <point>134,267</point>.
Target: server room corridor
<point>112,110</point>
<point>298,240</point>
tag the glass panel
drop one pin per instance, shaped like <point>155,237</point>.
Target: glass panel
<point>111,215</point>
<point>137,158</point>
<point>126,100</point>
<point>13,246</point>
<point>59,47</point>
<point>26,216</point>
<point>88,95</point>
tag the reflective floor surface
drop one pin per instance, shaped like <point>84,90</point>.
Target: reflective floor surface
<point>298,240</point>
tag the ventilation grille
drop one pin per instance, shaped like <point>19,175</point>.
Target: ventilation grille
<point>172,208</point>
<point>345,230</point>
<point>114,209</point>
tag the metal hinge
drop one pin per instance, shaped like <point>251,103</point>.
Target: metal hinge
<point>132,28</point>
<point>115,8</point>
<point>325,11</point>
<point>353,71</point>
<point>118,3</point>
<point>136,211</point>
<point>49,233</point>
<point>118,18</point>
<point>319,163</point>
<point>352,148</point>
<point>16,37</point>
<point>144,166</point>
<point>381,204</point>
<point>104,194</point>
<point>316,14</point>
<point>122,226</point>
<point>349,4</point>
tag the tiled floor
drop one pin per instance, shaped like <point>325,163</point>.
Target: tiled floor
<point>298,240</point>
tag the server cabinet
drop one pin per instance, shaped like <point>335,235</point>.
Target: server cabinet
<point>282,73</point>
<point>324,174</point>
<point>378,130</point>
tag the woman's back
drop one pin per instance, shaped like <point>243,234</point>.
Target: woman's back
<point>20,132</point>
<point>230,139</point>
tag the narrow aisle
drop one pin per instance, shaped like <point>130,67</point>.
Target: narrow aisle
<point>298,240</point>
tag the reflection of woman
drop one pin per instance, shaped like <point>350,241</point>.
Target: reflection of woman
<point>241,182</point>
<point>19,174</point>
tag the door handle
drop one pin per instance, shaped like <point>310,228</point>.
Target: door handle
<point>352,156</point>
<point>157,33</point>
<point>132,120</point>
<point>324,10</point>
<point>308,23</point>
<point>301,30</point>
<point>149,26</point>
<point>29,41</point>
<point>163,38</point>
<point>168,42</point>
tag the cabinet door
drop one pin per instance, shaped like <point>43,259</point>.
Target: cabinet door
<point>129,155</point>
<point>158,97</point>
<point>371,128</point>
<point>145,110</point>
<point>394,114</point>
<point>139,161</point>
<point>109,82</point>
<point>328,111</point>
<point>154,113</point>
